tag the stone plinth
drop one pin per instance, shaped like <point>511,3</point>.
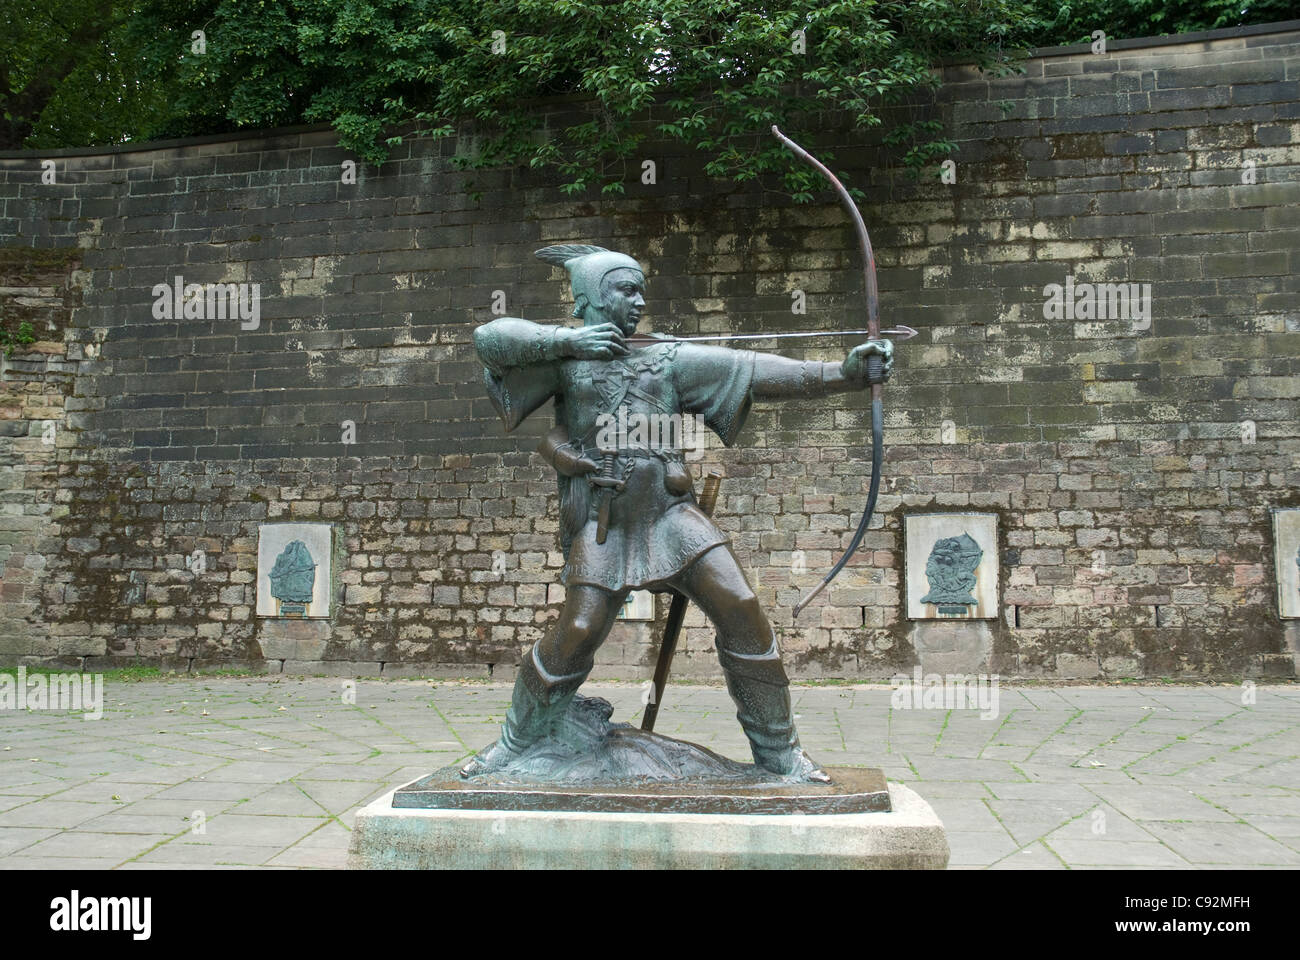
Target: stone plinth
<point>909,836</point>
<point>853,790</point>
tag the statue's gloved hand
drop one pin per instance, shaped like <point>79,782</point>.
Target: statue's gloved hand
<point>563,456</point>
<point>855,364</point>
<point>601,341</point>
<point>568,462</point>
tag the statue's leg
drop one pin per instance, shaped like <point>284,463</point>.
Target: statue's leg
<point>550,675</point>
<point>751,662</point>
<point>584,623</point>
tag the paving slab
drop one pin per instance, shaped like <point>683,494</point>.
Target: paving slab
<point>1030,820</point>
<point>1283,829</point>
<point>247,830</point>
<point>1148,801</point>
<point>24,862</point>
<point>1225,844</point>
<point>285,799</point>
<point>1185,777</point>
<point>51,813</point>
<point>78,843</point>
<point>13,839</point>
<point>1036,856</point>
<point>210,853</point>
<point>1113,853</point>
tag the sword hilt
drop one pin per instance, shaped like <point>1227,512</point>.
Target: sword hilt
<point>608,477</point>
<point>607,484</point>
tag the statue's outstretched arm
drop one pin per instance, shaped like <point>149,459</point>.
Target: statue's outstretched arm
<point>781,378</point>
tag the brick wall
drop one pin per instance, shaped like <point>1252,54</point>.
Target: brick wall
<point>1132,464</point>
<point>37,287</point>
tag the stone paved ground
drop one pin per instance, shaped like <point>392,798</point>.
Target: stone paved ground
<point>1065,776</point>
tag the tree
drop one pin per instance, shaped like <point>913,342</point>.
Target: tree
<point>726,69</point>
<point>1073,21</point>
<point>720,71</point>
<point>69,77</point>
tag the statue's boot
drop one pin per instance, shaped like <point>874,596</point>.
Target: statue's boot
<point>538,702</point>
<point>761,690</point>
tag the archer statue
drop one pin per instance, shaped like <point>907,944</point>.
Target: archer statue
<point>629,516</point>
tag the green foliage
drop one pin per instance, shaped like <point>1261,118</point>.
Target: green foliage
<point>70,76</point>
<point>10,339</point>
<point>713,75</point>
<point>1073,21</point>
<point>719,72</point>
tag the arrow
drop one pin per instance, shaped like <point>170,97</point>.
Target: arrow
<point>901,331</point>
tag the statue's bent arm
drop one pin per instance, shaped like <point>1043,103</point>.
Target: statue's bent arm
<point>511,342</point>
<point>519,372</point>
<point>556,450</point>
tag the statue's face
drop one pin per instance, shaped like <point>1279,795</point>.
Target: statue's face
<point>623,293</point>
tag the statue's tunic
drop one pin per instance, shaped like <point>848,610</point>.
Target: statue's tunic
<point>655,527</point>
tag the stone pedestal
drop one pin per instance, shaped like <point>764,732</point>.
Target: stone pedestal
<point>908,836</point>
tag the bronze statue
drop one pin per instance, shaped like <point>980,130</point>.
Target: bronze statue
<point>629,516</point>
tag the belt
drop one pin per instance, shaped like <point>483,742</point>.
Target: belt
<point>637,453</point>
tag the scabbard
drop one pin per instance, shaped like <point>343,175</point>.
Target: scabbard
<point>602,515</point>
<point>605,483</point>
<point>676,614</point>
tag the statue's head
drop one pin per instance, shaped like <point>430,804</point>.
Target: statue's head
<point>608,287</point>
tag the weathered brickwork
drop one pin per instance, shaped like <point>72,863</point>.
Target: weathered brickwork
<point>37,287</point>
<point>1132,462</point>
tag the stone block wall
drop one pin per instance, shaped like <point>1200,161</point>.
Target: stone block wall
<point>39,287</point>
<point>1132,460</point>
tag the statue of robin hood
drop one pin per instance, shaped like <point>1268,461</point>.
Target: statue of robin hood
<point>629,518</point>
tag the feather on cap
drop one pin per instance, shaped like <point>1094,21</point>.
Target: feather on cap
<point>561,253</point>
